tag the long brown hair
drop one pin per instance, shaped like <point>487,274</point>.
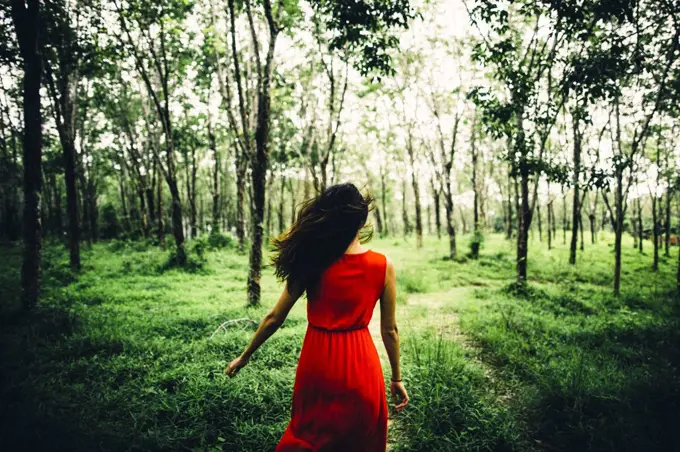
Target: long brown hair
<point>325,226</point>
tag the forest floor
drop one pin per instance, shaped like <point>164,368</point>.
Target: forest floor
<point>122,356</point>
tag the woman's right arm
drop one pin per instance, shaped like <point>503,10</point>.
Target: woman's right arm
<point>390,335</point>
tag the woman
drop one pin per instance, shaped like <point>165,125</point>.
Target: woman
<point>339,401</point>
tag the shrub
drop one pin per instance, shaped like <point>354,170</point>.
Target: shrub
<point>476,242</point>
<point>110,225</point>
<point>218,240</point>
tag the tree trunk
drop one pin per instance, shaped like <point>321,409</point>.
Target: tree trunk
<point>576,208</point>
<point>26,22</point>
<point>416,193</point>
<point>404,211</point>
<point>565,222</point>
<point>655,233</point>
<point>59,219</point>
<point>437,211</point>
<point>378,221</point>
<point>142,212</point>
<point>177,226</point>
<point>383,198</point>
<point>192,198</point>
<point>591,219</point>
<point>475,190</point>
<point>270,185</point>
<point>125,223</point>
<point>639,224</point>
<point>462,220</point>
<point>667,223</point>
<point>259,172</point>
<point>240,205</point>
<point>69,153</point>
<point>293,201</point>
<point>618,231</point>
<point>282,226</point>
<point>216,214</point>
<point>550,221</point>
<point>92,211</point>
<point>540,222</point>
<point>508,234</point>
<point>523,229</point>
<point>259,164</point>
<point>634,225</point>
<point>580,226</point>
<point>150,202</point>
<point>159,204</point>
<point>554,219</point>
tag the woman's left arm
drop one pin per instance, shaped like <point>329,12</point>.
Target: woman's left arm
<point>268,326</point>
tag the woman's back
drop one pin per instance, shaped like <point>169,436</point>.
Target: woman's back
<point>339,399</point>
<point>346,294</point>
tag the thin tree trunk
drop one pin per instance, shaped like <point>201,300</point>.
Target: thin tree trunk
<point>554,220</point>
<point>378,221</point>
<point>192,198</point>
<point>59,219</point>
<point>580,226</point>
<point>383,198</point>
<point>550,221</point>
<point>142,212</point>
<point>639,224</point>
<point>655,233</point>
<point>667,239</point>
<point>416,193</point>
<point>69,153</point>
<point>576,208</point>
<point>523,229</point>
<point>565,222</point>
<point>282,226</point>
<point>634,225</point>
<point>240,205</point>
<point>123,201</point>
<point>216,213</point>
<point>26,18</point>
<point>160,223</point>
<point>270,187</point>
<point>462,220</point>
<point>510,214</point>
<point>540,222</point>
<point>618,231</point>
<point>475,190</point>
<point>404,211</point>
<point>293,201</point>
<point>436,196</point>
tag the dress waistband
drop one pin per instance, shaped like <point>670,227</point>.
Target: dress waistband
<point>343,330</point>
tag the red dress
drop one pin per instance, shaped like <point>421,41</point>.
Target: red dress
<point>339,401</point>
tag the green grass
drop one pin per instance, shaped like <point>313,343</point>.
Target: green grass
<point>120,356</point>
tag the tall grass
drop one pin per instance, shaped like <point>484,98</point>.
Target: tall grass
<point>120,356</point>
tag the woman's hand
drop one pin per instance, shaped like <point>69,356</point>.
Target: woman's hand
<point>399,395</point>
<point>236,365</point>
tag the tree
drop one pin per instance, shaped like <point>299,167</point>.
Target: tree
<point>26,18</point>
<point>63,69</point>
<point>159,59</point>
<point>663,43</point>
<point>476,240</point>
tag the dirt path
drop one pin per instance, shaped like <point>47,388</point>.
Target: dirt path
<point>422,311</point>
<point>428,310</point>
